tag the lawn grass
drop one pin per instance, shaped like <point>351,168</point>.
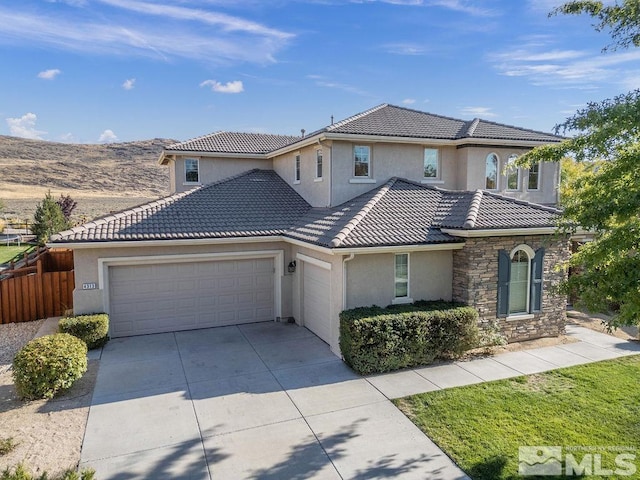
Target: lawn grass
<point>7,253</point>
<point>482,426</point>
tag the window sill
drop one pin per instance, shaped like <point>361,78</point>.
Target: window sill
<point>296,182</point>
<point>435,181</point>
<point>520,316</point>
<point>401,300</point>
<point>362,180</point>
<point>191,183</point>
<point>319,179</point>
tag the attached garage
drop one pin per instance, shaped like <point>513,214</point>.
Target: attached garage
<point>182,295</point>
<point>316,298</point>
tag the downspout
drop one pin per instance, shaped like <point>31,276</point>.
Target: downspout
<point>344,279</point>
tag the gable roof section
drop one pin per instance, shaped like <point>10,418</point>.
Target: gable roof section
<point>233,142</point>
<point>259,203</point>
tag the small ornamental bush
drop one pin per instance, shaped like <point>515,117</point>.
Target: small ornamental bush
<point>91,329</point>
<point>375,340</point>
<point>49,364</point>
<point>20,472</point>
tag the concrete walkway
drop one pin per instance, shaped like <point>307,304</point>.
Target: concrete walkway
<point>270,401</point>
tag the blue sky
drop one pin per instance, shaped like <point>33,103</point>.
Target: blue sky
<point>119,70</point>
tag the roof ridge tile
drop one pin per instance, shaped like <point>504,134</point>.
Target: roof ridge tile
<point>474,208</point>
<point>357,218</point>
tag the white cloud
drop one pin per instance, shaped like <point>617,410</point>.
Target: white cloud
<point>235,86</point>
<point>324,82</point>
<point>566,68</point>
<point>202,35</point>
<point>408,101</point>
<point>49,74</point>
<point>68,138</point>
<point>108,137</point>
<point>405,48</point>
<point>25,127</point>
<point>478,112</point>
<point>129,84</point>
<point>462,6</point>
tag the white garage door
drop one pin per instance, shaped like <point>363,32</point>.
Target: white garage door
<point>316,300</point>
<point>182,296</point>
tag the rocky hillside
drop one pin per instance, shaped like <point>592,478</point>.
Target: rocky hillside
<point>126,173</point>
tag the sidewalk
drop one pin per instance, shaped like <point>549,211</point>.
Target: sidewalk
<point>591,346</point>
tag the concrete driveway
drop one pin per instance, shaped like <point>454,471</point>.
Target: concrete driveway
<point>260,401</point>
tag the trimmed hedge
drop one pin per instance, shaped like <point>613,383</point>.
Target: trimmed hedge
<point>376,340</point>
<point>49,364</point>
<point>91,329</point>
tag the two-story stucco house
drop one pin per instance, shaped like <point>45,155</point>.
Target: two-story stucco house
<point>388,206</point>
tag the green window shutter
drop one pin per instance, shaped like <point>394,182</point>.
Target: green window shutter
<point>504,274</point>
<point>536,280</point>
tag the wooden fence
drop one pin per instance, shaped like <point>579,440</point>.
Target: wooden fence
<point>33,292</point>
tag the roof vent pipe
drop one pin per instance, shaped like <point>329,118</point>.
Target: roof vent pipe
<point>302,130</point>
<point>331,119</point>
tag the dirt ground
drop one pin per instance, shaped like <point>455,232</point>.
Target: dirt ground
<point>48,433</point>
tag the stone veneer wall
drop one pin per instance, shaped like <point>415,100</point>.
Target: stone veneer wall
<point>475,282</point>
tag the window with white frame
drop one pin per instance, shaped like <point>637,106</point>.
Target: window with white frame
<point>491,172</point>
<point>296,175</point>
<point>513,173</point>
<point>361,161</point>
<point>520,281</point>
<point>534,177</point>
<point>431,164</point>
<point>319,163</point>
<point>401,275</point>
<point>191,170</point>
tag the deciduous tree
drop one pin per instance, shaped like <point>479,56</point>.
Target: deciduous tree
<point>605,197</point>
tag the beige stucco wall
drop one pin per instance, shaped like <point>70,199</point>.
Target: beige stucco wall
<point>472,164</point>
<point>370,278</point>
<point>314,190</point>
<point>214,169</point>
<point>387,160</point>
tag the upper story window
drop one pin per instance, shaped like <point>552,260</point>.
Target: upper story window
<point>491,172</point>
<point>319,163</point>
<point>191,170</point>
<point>520,281</point>
<point>534,177</point>
<point>401,276</point>
<point>361,161</point>
<point>296,175</point>
<point>513,173</point>
<point>431,164</point>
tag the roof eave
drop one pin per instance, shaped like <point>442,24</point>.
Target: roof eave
<point>499,232</point>
<point>165,155</point>
<point>424,247</point>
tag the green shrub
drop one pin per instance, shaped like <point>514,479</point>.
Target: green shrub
<point>49,364</point>
<point>20,472</point>
<point>375,340</point>
<point>91,329</point>
<point>7,445</point>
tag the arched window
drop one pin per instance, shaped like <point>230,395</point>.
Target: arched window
<point>520,281</point>
<point>491,169</point>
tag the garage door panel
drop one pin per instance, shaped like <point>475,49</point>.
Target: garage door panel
<point>316,299</point>
<point>169,297</point>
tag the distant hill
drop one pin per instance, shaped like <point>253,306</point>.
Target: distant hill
<point>103,177</point>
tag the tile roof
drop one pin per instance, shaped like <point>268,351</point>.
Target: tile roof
<point>260,203</point>
<point>255,203</point>
<point>234,142</point>
<point>384,120</point>
<point>391,120</point>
